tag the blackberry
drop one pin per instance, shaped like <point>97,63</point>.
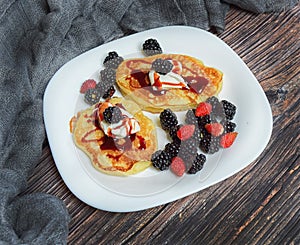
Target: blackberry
<point>172,148</point>
<point>109,92</point>
<point>217,107</point>
<point>173,133</point>
<point>111,55</point>
<point>197,164</point>
<point>103,87</point>
<point>162,66</point>
<point>204,120</point>
<point>168,119</point>
<point>197,135</point>
<point>112,114</point>
<point>108,76</point>
<point>113,60</point>
<point>92,96</point>
<point>151,47</point>
<point>188,150</point>
<point>161,160</point>
<point>228,126</point>
<point>209,143</point>
<point>229,109</point>
<point>190,117</point>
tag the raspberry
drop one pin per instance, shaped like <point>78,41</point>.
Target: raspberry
<point>227,139</point>
<point>162,66</point>
<point>112,114</point>
<point>178,166</point>
<point>215,129</point>
<point>161,160</point>
<point>197,164</point>
<point>203,109</point>
<point>87,84</point>
<point>186,131</point>
<point>229,109</point>
<point>92,96</point>
<point>113,60</point>
<point>151,47</point>
<point>168,119</point>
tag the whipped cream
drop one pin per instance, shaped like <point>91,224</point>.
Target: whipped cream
<point>172,79</point>
<point>125,127</point>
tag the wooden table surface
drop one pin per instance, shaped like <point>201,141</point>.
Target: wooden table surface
<point>258,205</point>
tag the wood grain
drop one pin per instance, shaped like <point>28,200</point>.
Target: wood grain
<point>258,205</point>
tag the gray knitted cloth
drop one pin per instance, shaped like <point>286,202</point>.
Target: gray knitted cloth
<point>37,38</point>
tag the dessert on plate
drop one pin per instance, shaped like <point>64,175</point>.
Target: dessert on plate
<point>117,137</point>
<point>120,140</point>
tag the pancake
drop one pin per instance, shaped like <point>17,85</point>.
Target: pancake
<point>110,155</point>
<point>132,78</point>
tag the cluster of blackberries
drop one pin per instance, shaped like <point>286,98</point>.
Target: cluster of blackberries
<point>180,146</point>
<point>108,75</point>
<point>105,88</point>
<point>213,126</point>
<point>203,130</point>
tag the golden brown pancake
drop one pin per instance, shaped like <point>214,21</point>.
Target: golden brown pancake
<point>134,83</point>
<point>124,156</point>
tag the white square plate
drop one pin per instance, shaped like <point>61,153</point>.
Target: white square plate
<point>152,188</point>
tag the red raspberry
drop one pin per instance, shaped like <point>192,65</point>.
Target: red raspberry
<point>203,109</point>
<point>177,166</point>
<point>186,131</point>
<point>215,129</point>
<point>227,139</point>
<point>87,84</point>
